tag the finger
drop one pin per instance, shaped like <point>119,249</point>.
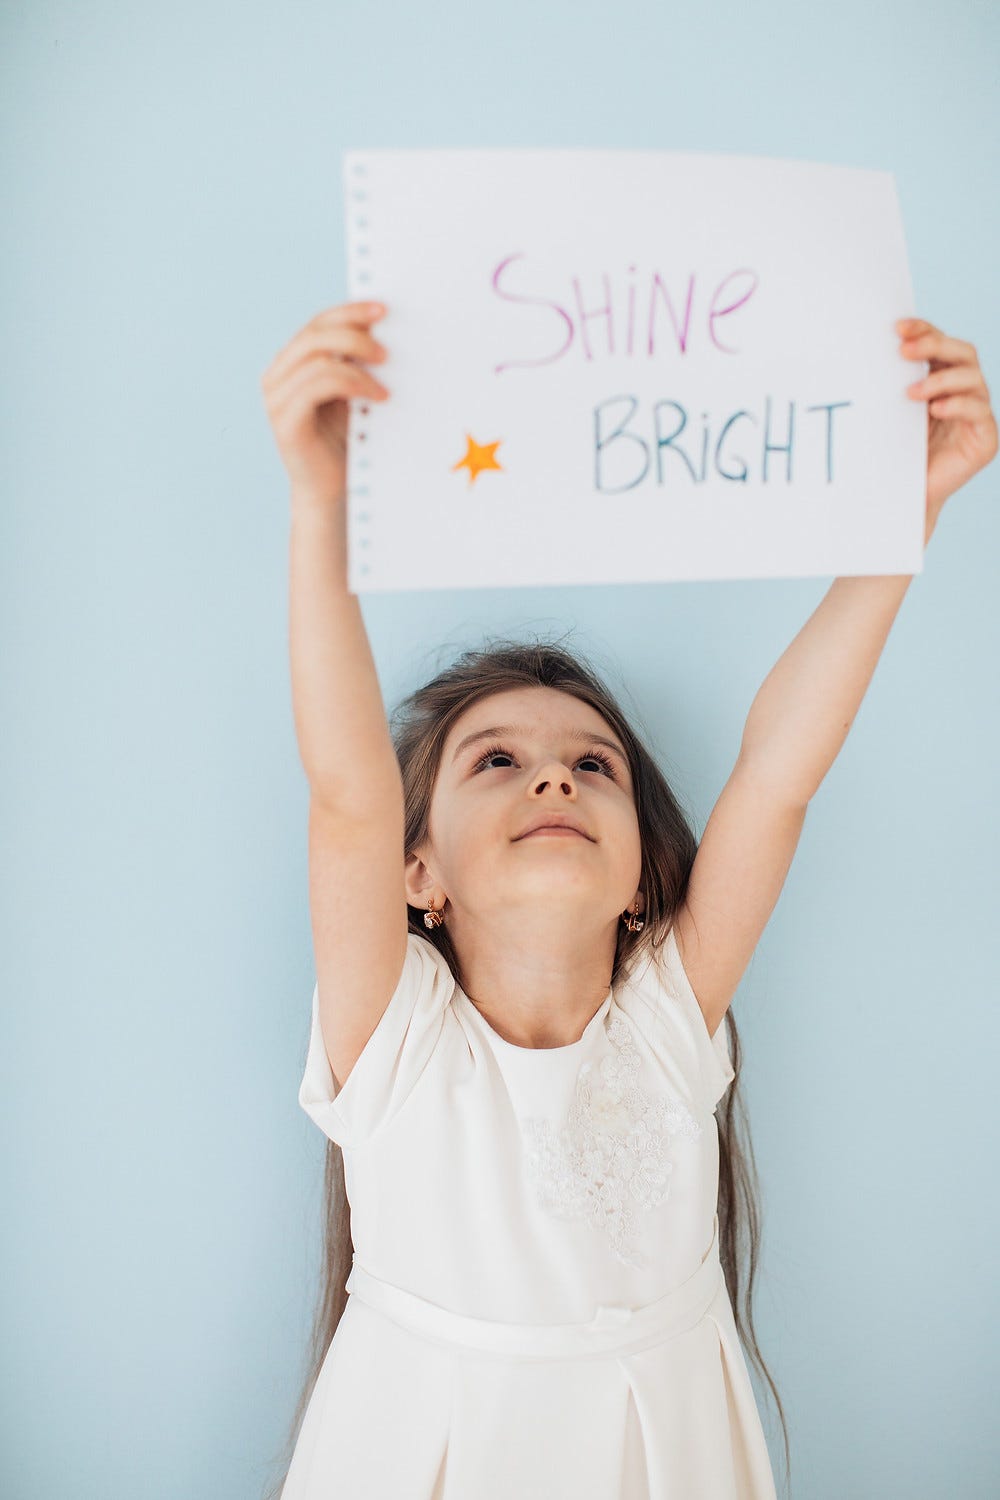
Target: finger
<point>339,376</point>
<point>972,408</point>
<point>320,389</point>
<point>325,379</point>
<point>350,343</point>
<point>369,307</point>
<point>933,344</point>
<point>909,326</point>
<point>951,381</point>
<point>344,328</point>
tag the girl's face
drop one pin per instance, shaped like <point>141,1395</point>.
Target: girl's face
<point>510,758</point>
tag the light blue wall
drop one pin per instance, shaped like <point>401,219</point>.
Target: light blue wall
<point>173,177</point>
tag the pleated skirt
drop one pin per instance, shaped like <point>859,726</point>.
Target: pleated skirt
<point>415,1402</point>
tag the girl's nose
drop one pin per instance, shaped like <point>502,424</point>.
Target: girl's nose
<point>559,777</point>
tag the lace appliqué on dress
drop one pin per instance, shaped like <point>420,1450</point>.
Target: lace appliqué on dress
<point>608,1164</point>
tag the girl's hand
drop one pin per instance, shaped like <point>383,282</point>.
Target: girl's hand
<point>962,435</point>
<point>306,390</point>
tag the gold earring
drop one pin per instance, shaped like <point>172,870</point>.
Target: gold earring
<point>432,918</point>
<point>633,921</point>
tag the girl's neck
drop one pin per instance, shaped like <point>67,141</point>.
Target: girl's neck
<point>537,984</point>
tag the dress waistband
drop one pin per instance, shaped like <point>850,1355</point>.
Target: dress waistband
<point>613,1330</point>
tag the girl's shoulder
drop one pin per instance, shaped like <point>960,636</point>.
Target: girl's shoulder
<point>655,992</point>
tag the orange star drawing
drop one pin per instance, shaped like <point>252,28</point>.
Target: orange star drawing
<point>477,458</point>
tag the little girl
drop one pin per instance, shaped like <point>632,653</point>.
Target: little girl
<point>535,1223</point>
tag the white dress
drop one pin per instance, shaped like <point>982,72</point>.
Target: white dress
<point>537,1309</point>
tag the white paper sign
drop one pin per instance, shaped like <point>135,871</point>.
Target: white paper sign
<point>626,366</point>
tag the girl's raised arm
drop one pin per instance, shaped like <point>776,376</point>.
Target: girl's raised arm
<point>804,710</point>
<point>356,886</point>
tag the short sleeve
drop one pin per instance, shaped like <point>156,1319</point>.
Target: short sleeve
<point>393,1058</point>
<point>660,981</point>
<point>712,1052</point>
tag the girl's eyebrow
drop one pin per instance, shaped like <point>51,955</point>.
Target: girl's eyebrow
<point>583,735</point>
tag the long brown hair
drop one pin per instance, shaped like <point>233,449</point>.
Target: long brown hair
<point>419,727</point>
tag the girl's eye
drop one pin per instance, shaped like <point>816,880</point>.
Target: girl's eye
<point>489,755</point>
<point>604,761</point>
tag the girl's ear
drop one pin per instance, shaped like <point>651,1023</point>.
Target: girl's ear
<point>420,883</point>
